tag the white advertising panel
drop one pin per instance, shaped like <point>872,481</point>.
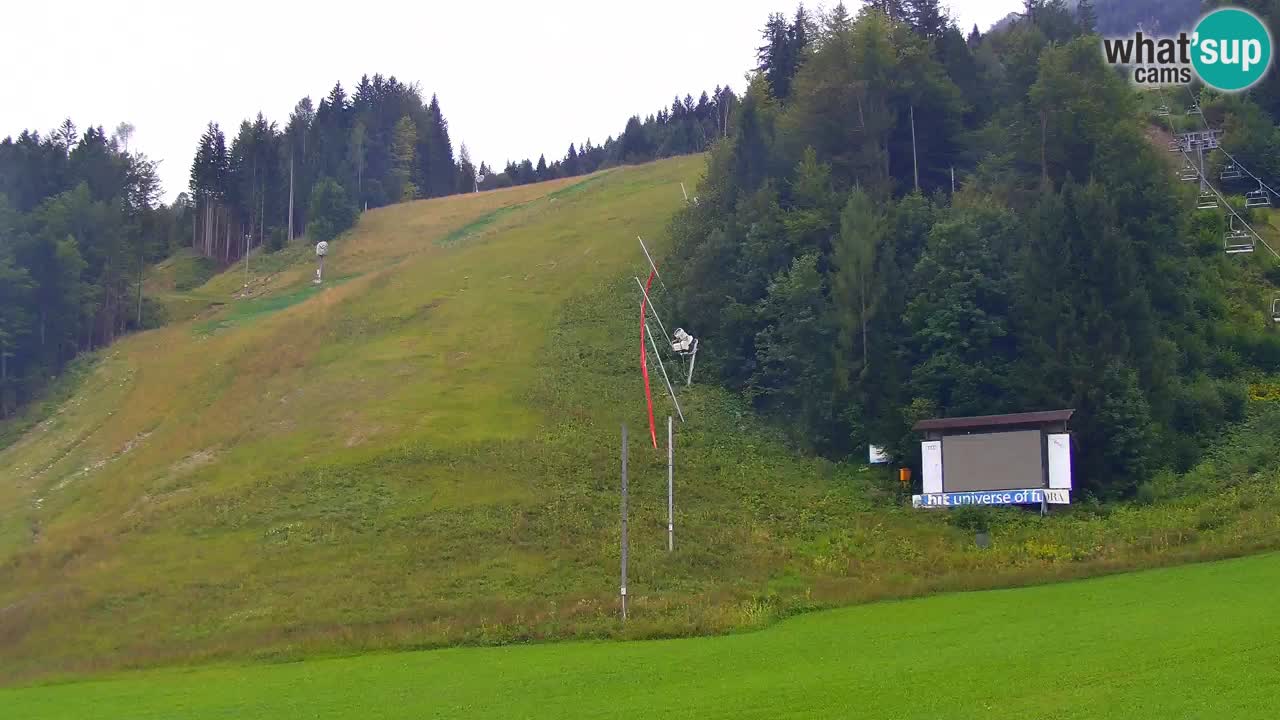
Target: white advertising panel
<point>931,455</point>
<point>1059,461</point>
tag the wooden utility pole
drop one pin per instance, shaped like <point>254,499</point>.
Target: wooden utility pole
<point>671,490</point>
<point>624,522</point>
<point>291,195</point>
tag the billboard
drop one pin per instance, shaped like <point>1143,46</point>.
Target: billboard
<point>993,461</point>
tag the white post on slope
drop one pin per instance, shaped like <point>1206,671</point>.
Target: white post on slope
<point>671,391</point>
<point>682,192</point>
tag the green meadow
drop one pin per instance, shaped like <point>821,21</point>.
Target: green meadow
<point>1197,641</point>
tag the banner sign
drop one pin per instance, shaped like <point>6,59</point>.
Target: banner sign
<point>1028,496</point>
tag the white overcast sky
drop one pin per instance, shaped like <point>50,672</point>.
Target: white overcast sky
<point>515,79</point>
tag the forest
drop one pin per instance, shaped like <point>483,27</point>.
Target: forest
<point>80,220</point>
<point>81,216</point>
<point>899,220</point>
<point>910,222</point>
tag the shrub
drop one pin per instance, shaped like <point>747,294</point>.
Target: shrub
<point>330,209</point>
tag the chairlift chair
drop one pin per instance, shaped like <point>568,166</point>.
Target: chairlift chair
<point>1207,201</point>
<point>1163,111</point>
<point>1231,171</point>
<point>1257,198</point>
<point>1189,173</point>
<point>1275,310</point>
<point>1194,109</point>
<point>1237,240</point>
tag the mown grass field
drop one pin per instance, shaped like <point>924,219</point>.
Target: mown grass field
<point>1197,641</point>
<point>425,453</point>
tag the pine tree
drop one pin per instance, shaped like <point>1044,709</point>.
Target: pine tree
<point>895,9</point>
<point>440,163</point>
<point>541,170</point>
<point>571,165</point>
<point>975,37</point>
<point>839,20</point>
<point>66,136</point>
<point>927,18</point>
<point>1086,17</point>
<point>775,60</point>
<point>404,139</point>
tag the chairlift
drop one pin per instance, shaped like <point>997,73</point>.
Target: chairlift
<point>1275,310</point>
<point>1194,109</point>
<point>1257,198</point>
<point>1189,173</point>
<point>1175,146</point>
<point>1207,201</point>
<point>1237,240</point>
<point>1163,111</point>
<point>1231,171</point>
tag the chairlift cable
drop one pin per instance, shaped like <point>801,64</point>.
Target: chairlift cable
<point>1205,183</point>
<point>654,311</point>
<point>1237,163</point>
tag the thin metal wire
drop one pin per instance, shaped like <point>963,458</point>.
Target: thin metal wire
<point>1205,183</point>
<point>655,313</point>
<point>1238,164</point>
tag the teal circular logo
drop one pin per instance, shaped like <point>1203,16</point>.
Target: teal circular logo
<point>1231,49</point>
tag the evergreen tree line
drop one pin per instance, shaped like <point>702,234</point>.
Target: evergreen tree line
<point>839,281</point>
<point>688,126</point>
<point>80,219</point>
<point>379,145</point>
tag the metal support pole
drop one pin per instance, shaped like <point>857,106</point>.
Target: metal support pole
<point>671,490</point>
<point>663,368</point>
<point>652,264</point>
<point>624,522</point>
<point>1203,180</point>
<point>654,311</point>
<point>693,358</point>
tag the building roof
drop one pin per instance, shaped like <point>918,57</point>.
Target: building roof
<point>1042,417</point>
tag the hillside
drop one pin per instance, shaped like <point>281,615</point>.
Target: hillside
<point>424,452</point>
<point>1187,642</point>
